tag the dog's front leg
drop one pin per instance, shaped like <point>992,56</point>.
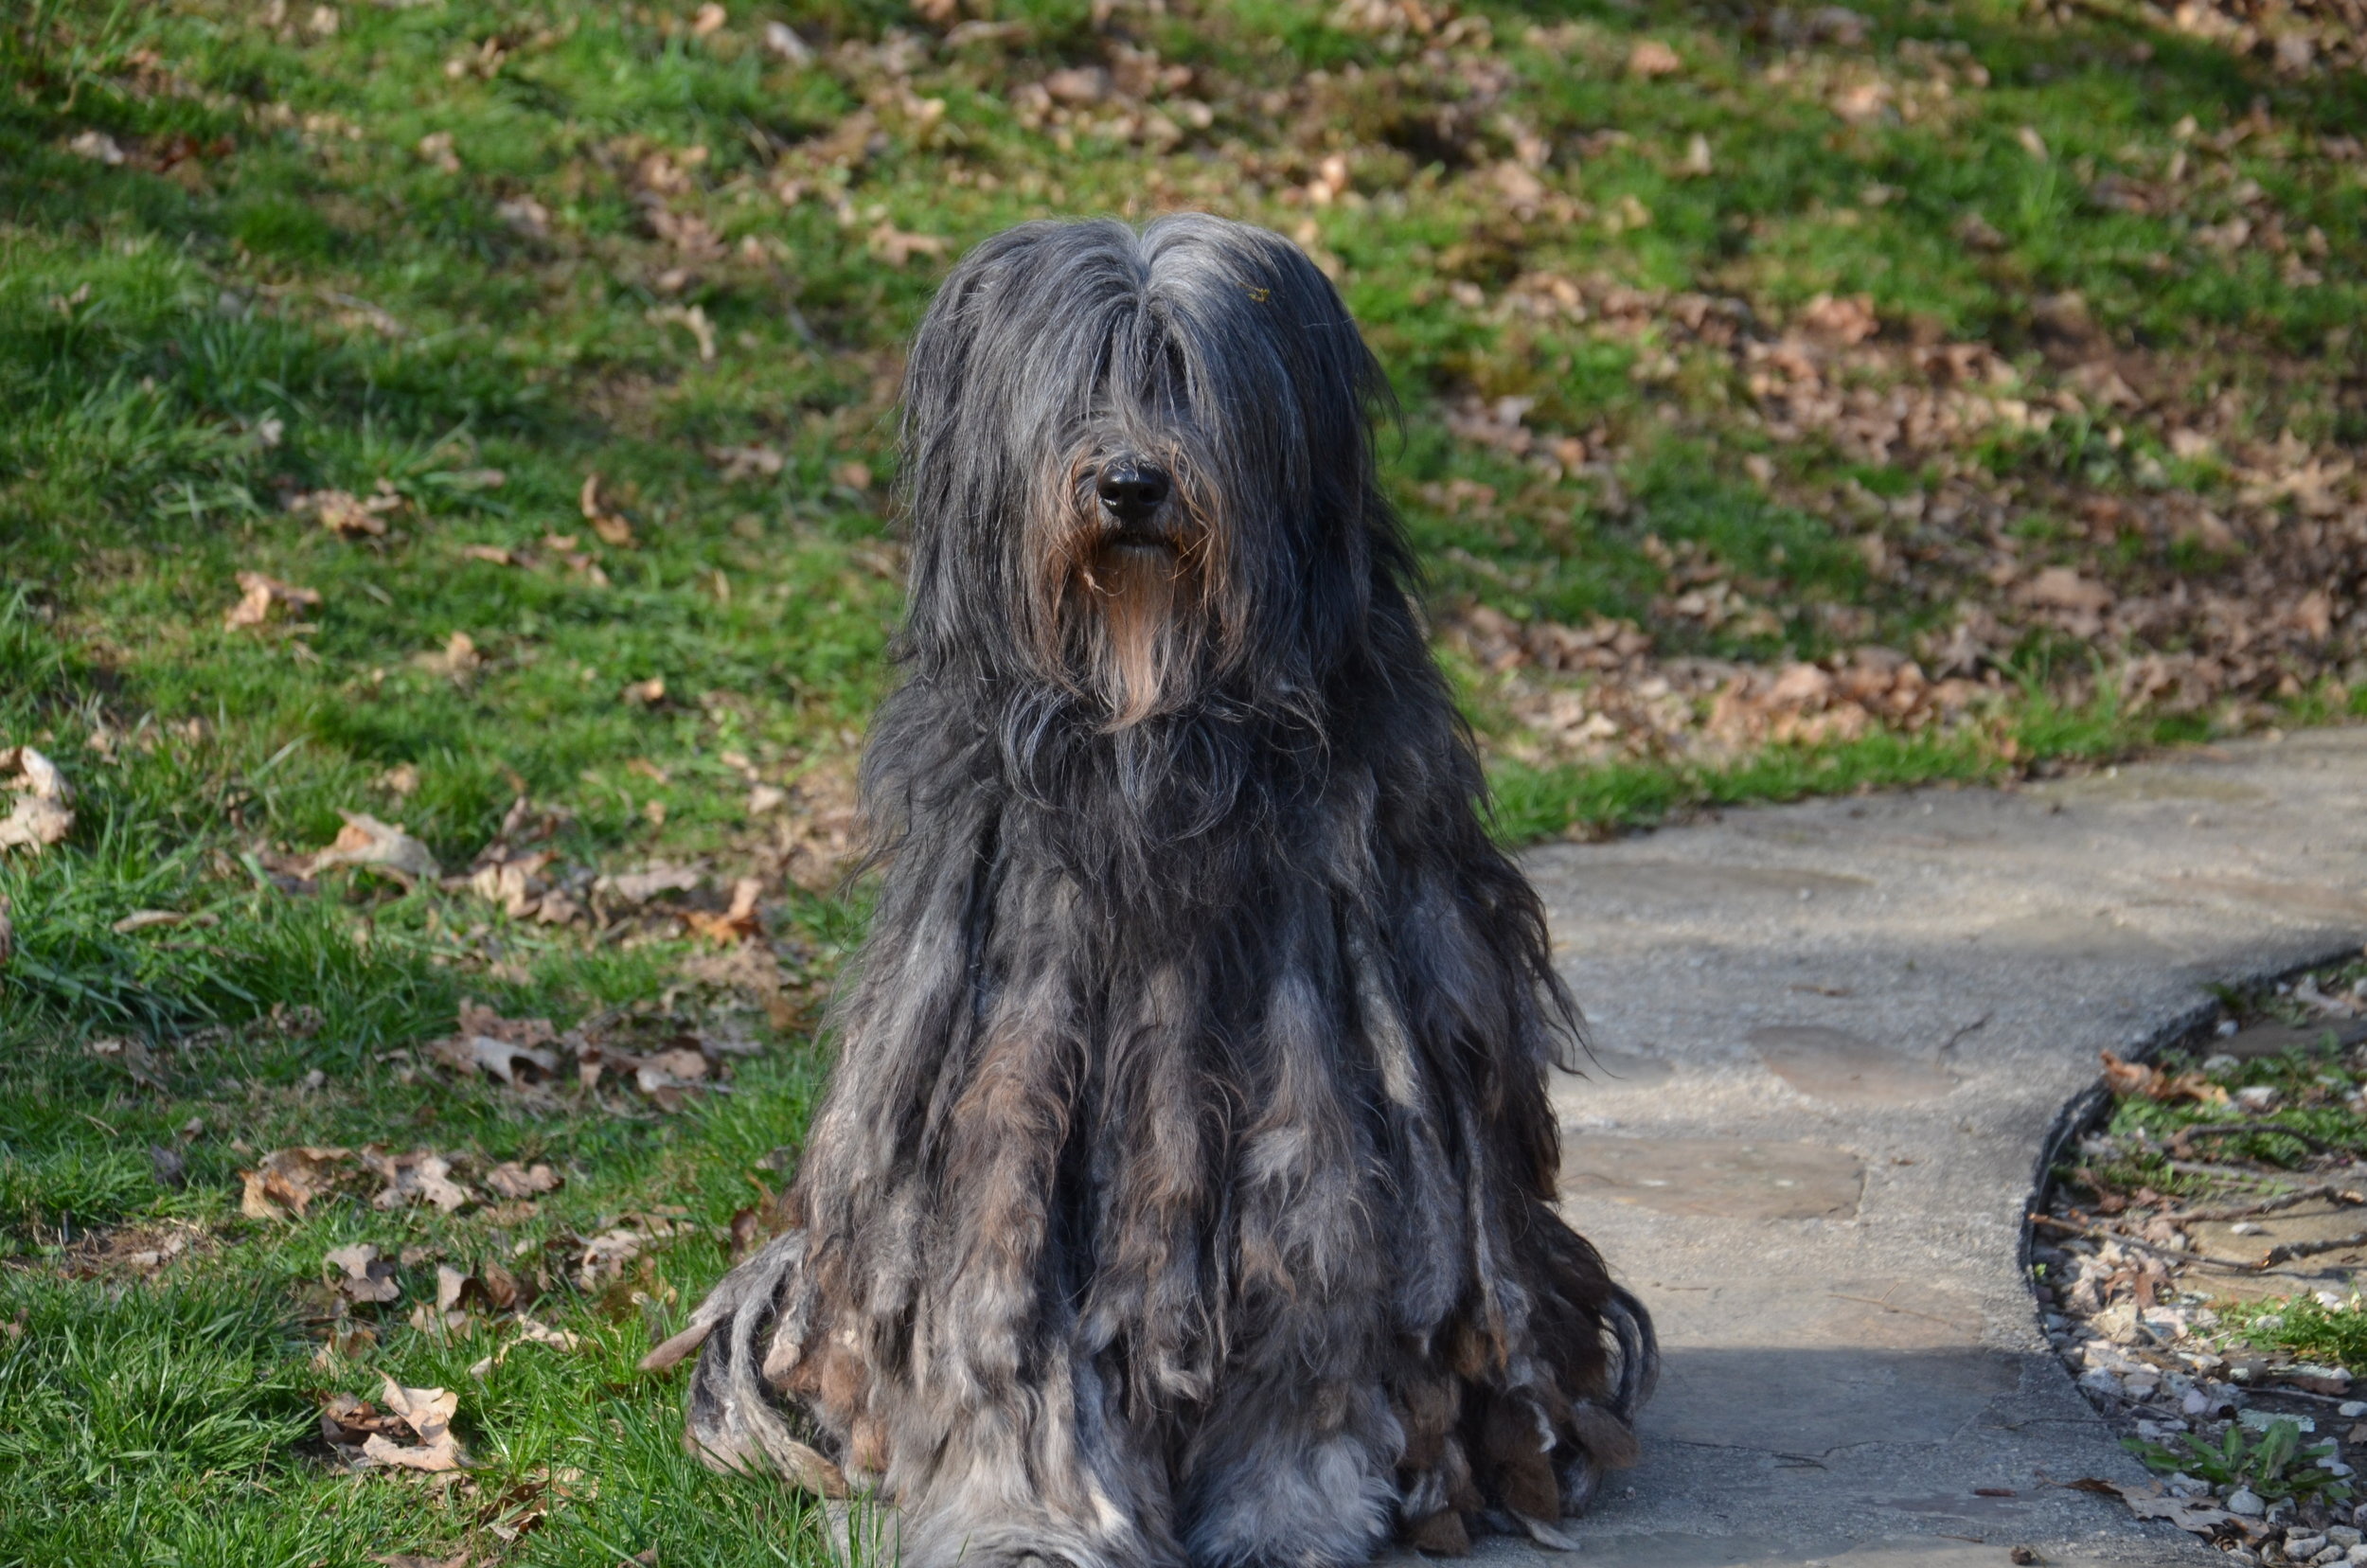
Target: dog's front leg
<point>1286,1472</point>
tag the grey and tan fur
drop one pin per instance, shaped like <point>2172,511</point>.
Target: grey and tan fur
<point>1184,1193</point>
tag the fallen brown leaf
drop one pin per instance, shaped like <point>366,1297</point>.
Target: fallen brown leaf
<point>2127,1078</point>
<point>141,919</point>
<point>260,597</point>
<point>897,246</point>
<point>365,1275</point>
<point>637,887</point>
<point>367,841</point>
<point>409,1178</point>
<point>348,515</point>
<point>497,1047</point>
<point>457,660</point>
<point>526,215</point>
<point>1651,59</point>
<point>531,1332</point>
<point>606,521</point>
<point>734,924</point>
<point>98,147</point>
<point>511,1180</point>
<point>39,818</point>
<point>744,462</point>
<point>647,693</point>
<point>605,1257</point>
<point>289,1180</point>
<point>1848,320</point>
<point>500,1059</point>
<point>427,1412</point>
<point>692,318</point>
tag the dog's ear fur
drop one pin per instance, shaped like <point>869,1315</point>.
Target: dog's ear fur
<point>1183,1191</point>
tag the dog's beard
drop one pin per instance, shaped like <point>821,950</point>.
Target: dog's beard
<point>1131,626</point>
<point>1136,612</point>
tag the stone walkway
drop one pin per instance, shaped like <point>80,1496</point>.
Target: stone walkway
<point>1833,1040</point>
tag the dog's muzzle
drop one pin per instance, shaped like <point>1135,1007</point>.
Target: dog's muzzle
<point>1133,495</point>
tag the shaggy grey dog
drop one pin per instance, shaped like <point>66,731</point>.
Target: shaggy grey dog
<point>1185,1190</point>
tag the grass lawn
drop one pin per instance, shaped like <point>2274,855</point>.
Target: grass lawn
<point>458,437</point>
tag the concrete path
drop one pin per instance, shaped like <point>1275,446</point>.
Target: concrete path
<point>1833,1038</point>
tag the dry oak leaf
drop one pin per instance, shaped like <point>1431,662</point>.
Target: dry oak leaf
<point>1977,233</point>
<point>693,319</point>
<point>39,818</point>
<point>427,1412</point>
<point>98,147</point>
<point>411,1177</point>
<point>347,515</point>
<point>495,1058</point>
<point>897,246</point>
<point>606,1256</point>
<point>458,660</point>
<point>516,886</point>
<point>495,1045</point>
<point>366,1277</point>
<point>606,521</point>
<point>641,887</point>
<point>261,595</point>
<point>734,924</point>
<point>529,1331</point>
<point>2079,603</point>
<point>676,1068</point>
<point>1848,320</point>
<point>1651,59</point>
<point>526,215</point>
<point>511,1180</point>
<point>286,1181</point>
<point>365,841</point>
<point>742,462</point>
<point>2127,1079</point>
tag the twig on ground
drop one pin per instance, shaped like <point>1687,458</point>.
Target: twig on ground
<point>2232,1173</point>
<point>2091,1233</point>
<point>2269,1205</point>
<point>2290,1250</point>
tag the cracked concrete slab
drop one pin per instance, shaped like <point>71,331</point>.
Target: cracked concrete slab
<point>1830,1040</point>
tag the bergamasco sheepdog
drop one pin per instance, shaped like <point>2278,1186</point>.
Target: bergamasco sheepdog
<point>1184,1193</point>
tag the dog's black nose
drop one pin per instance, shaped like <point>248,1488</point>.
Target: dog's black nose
<point>1130,490</point>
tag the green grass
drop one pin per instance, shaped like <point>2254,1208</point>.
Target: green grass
<point>2302,1326</point>
<point>450,251</point>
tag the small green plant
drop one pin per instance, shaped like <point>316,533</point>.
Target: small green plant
<point>2272,1463</point>
<point>2304,1327</point>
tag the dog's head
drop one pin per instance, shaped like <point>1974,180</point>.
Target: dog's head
<point>1138,466</point>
